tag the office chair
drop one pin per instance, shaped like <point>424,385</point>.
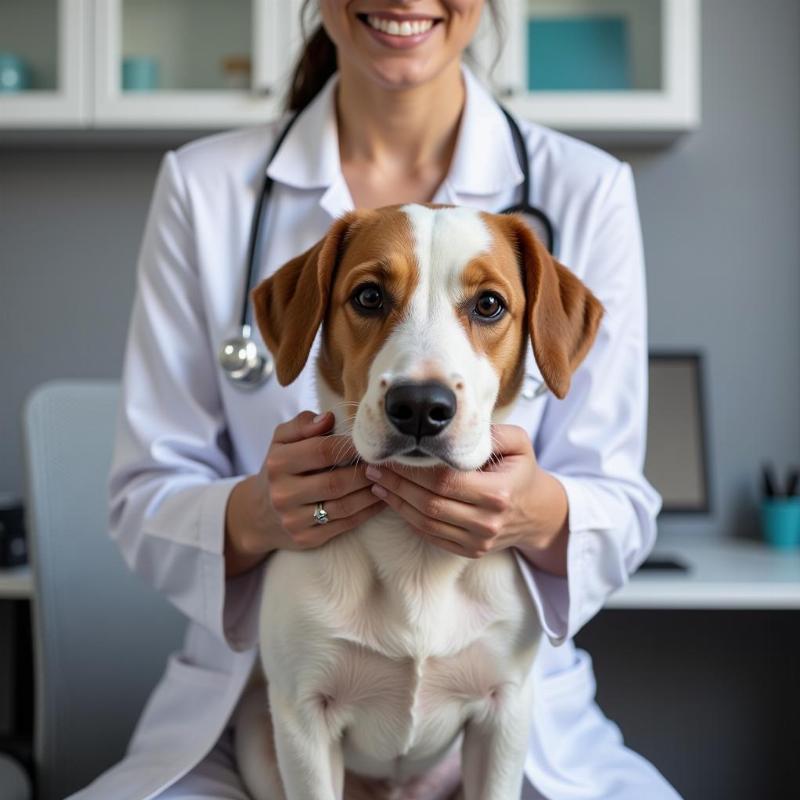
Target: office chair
<point>14,783</point>
<point>101,636</point>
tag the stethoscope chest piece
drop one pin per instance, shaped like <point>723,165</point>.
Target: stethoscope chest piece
<point>242,363</point>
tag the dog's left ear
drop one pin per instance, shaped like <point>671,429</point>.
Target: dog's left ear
<point>290,305</point>
<point>563,315</point>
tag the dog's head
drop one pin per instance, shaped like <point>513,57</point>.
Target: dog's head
<point>425,313</point>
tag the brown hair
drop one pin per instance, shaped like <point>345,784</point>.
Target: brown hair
<point>317,62</point>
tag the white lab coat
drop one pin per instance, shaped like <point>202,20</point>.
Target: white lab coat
<point>185,436</point>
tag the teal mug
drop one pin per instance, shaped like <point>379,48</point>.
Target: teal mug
<point>15,75</point>
<point>780,522</point>
<point>139,74</point>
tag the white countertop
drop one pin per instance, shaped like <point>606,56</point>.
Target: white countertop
<point>723,574</point>
<point>16,583</point>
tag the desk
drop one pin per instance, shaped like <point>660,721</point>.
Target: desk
<point>16,670</point>
<point>16,583</point>
<point>725,573</point>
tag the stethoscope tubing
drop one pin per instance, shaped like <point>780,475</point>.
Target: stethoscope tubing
<point>256,223</point>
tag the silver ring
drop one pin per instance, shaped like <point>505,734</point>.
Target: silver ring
<point>320,514</point>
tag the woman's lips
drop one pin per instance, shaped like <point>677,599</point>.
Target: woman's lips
<point>399,32</point>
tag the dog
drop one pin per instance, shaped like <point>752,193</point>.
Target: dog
<point>383,653</point>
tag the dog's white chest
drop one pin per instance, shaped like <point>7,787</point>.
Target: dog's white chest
<point>393,644</point>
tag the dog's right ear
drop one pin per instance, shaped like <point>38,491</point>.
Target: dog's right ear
<point>563,314</point>
<point>290,305</point>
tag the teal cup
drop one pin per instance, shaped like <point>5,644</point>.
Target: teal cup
<point>780,522</point>
<point>139,74</point>
<point>15,75</point>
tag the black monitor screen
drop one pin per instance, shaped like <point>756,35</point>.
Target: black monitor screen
<point>676,462</point>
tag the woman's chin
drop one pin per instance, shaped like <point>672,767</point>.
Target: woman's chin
<point>399,74</point>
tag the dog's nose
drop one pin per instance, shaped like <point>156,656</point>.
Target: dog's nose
<point>420,409</point>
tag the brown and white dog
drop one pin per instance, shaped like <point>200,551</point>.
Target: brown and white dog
<point>383,652</point>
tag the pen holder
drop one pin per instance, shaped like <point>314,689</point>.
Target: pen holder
<point>780,522</point>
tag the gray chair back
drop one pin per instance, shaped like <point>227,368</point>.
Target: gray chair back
<point>101,636</point>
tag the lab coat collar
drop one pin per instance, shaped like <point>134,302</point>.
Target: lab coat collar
<point>484,161</point>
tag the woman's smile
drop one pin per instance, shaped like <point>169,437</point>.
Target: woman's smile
<point>399,30</point>
<point>400,44</point>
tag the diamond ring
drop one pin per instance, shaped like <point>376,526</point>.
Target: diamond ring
<point>320,514</point>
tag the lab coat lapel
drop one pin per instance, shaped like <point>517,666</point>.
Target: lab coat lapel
<point>484,162</point>
<point>309,156</point>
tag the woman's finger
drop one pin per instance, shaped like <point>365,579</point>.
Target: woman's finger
<point>430,504</point>
<point>304,425</point>
<point>310,455</point>
<point>329,484</point>
<point>341,508</point>
<point>419,520</point>
<point>316,535</point>
<point>475,488</point>
<point>508,440</point>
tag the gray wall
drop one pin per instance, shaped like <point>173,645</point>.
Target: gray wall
<point>720,211</point>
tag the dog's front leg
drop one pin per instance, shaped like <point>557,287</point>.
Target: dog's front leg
<point>309,758</point>
<point>494,747</point>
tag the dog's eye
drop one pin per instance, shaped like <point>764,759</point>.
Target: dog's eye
<point>368,297</point>
<point>489,306</point>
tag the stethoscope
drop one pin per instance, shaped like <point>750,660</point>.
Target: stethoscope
<point>247,368</point>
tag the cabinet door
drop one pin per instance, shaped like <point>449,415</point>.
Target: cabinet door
<point>599,65</point>
<point>189,64</point>
<point>42,63</point>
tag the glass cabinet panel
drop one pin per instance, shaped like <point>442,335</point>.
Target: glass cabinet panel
<point>29,46</point>
<point>185,45</point>
<point>42,64</point>
<point>593,45</point>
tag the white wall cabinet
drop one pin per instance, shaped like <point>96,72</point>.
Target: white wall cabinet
<point>628,67</point>
<point>47,37</point>
<point>189,41</point>
<point>625,66</point>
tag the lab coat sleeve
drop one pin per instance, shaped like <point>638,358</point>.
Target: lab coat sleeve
<point>172,471</point>
<point>593,441</point>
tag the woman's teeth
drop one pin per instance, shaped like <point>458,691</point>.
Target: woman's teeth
<point>395,28</point>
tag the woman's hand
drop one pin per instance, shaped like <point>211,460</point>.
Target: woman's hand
<point>512,502</point>
<point>274,509</point>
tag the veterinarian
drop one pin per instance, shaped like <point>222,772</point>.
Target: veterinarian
<point>208,479</point>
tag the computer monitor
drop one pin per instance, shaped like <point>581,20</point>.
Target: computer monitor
<point>677,460</point>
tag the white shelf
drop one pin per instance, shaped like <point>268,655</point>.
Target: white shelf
<point>723,574</point>
<point>16,584</point>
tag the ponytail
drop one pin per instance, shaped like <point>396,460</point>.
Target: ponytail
<point>316,65</point>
